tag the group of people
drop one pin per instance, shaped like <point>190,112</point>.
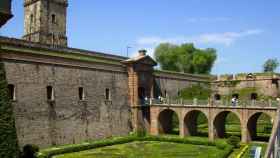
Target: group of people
<point>234,101</point>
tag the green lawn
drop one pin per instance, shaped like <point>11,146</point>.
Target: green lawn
<point>148,149</point>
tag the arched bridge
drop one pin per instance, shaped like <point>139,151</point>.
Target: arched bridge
<point>216,113</point>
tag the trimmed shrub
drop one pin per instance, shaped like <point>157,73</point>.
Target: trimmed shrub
<point>123,140</point>
<point>29,151</point>
<point>234,141</point>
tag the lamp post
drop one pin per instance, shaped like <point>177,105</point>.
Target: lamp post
<point>5,11</point>
<point>127,50</point>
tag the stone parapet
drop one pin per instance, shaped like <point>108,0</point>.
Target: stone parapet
<point>183,76</point>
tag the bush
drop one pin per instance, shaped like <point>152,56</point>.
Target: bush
<point>141,133</point>
<point>234,141</point>
<point>221,145</point>
<point>8,137</point>
<point>29,151</point>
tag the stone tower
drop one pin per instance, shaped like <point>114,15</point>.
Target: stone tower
<point>45,21</point>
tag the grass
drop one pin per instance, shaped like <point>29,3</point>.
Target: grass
<point>148,149</point>
<point>149,146</point>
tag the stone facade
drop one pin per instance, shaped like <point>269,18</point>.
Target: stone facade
<point>63,95</point>
<point>250,86</point>
<point>65,119</point>
<point>110,102</point>
<point>45,21</point>
<point>5,11</point>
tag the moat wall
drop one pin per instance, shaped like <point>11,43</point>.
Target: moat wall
<point>67,119</point>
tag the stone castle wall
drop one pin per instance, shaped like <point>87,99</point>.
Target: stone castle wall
<point>31,67</point>
<point>66,119</point>
<point>171,83</point>
<point>265,84</point>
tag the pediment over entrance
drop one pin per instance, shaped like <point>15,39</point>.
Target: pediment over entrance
<point>142,58</point>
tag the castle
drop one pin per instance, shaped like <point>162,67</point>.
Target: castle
<point>63,95</point>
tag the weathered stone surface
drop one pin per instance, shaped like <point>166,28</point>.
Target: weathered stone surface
<point>45,21</point>
<point>66,119</point>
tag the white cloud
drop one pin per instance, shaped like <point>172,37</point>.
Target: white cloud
<point>226,38</point>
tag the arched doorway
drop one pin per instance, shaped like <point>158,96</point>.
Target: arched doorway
<point>254,96</point>
<point>217,97</point>
<point>168,122</point>
<point>259,127</point>
<point>226,124</point>
<point>195,124</point>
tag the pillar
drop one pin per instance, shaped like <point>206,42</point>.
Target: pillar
<point>154,121</point>
<point>244,132</point>
<point>211,129</point>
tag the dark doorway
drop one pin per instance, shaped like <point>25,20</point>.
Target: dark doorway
<point>254,96</point>
<point>217,97</point>
<point>235,96</point>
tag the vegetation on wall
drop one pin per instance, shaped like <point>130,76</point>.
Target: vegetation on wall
<point>245,94</point>
<point>196,91</point>
<point>8,137</point>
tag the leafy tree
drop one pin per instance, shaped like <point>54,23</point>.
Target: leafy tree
<point>185,58</point>
<point>270,65</point>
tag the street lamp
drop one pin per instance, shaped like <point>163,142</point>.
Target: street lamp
<point>5,11</point>
<point>127,50</point>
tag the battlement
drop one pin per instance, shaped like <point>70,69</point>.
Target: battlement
<point>248,76</point>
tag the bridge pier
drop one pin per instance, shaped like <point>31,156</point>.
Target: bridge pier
<point>154,121</point>
<point>244,133</point>
<point>211,130</point>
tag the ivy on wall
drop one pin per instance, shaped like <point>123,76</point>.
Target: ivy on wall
<point>196,91</point>
<point>8,137</point>
<point>245,94</point>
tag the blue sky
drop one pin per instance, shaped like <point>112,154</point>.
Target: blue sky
<point>244,32</point>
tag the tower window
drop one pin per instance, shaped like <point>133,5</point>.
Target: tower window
<point>81,93</point>
<point>53,18</point>
<point>31,23</point>
<point>50,93</point>
<point>107,94</point>
<point>12,92</point>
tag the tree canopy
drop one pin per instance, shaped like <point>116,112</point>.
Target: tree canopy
<point>185,58</point>
<point>270,65</point>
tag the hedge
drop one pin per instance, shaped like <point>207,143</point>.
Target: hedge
<point>48,153</point>
<point>8,137</point>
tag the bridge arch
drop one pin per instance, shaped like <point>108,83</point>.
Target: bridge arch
<point>168,120</point>
<point>264,121</point>
<point>191,121</point>
<point>219,123</point>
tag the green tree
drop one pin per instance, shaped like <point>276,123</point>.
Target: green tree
<point>8,137</point>
<point>270,65</point>
<point>185,58</point>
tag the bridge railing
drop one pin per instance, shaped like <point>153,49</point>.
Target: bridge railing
<point>196,102</point>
